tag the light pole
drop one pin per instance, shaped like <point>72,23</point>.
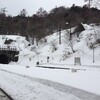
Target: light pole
<point>93,56</point>
<point>37,58</point>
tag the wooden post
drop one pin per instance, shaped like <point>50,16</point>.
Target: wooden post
<point>48,59</point>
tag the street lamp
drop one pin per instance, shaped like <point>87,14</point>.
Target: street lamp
<point>93,55</point>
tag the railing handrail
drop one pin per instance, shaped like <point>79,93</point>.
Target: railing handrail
<point>11,48</point>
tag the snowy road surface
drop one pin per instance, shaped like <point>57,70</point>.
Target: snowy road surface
<point>21,87</point>
<point>24,88</point>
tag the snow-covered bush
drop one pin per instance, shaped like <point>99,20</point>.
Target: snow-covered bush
<point>90,40</point>
<point>93,39</point>
<point>73,70</point>
<point>43,40</point>
<point>33,48</point>
<point>53,46</point>
<point>65,55</point>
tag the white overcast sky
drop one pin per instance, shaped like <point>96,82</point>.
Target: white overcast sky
<point>15,6</point>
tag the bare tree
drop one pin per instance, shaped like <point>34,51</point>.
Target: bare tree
<point>41,12</point>
<point>3,25</point>
<point>53,45</point>
<point>93,39</point>
<point>3,11</point>
<point>71,44</point>
<point>69,41</point>
<point>23,13</point>
<point>89,2</point>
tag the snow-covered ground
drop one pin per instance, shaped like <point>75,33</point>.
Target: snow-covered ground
<point>23,88</point>
<point>85,77</point>
<point>88,79</point>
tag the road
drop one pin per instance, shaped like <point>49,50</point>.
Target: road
<point>22,87</point>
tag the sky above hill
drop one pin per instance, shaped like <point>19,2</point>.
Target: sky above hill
<point>15,6</point>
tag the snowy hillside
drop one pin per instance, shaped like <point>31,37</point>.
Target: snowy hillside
<point>49,50</point>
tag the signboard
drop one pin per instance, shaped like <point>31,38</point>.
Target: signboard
<point>77,61</point>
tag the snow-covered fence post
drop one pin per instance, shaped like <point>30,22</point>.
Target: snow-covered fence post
<point>48,59</point>
<point>77,61</point>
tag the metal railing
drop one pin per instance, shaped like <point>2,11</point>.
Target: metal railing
<point>8,48</point>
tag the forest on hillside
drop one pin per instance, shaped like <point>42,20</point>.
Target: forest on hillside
<point>43,23</point>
